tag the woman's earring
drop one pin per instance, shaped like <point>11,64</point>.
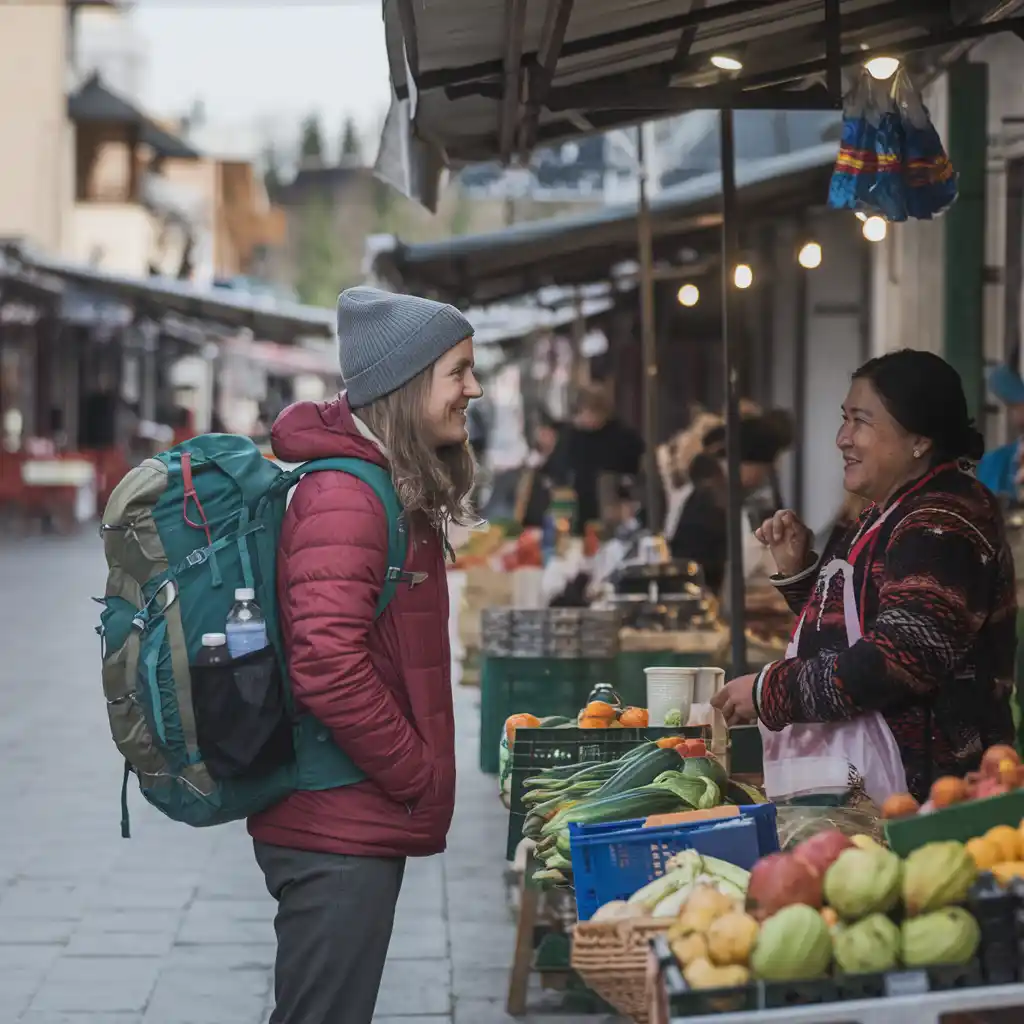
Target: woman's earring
<point>917,453</point>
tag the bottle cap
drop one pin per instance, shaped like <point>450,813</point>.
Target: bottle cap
<point>214,639</point>
<point>245,594</point>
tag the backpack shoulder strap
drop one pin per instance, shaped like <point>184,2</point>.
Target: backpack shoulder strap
<point>379,479</point>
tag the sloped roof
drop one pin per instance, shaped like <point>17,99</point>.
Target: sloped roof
<point>94,102</point>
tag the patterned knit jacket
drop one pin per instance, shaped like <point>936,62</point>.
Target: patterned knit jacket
<point>935,587</point>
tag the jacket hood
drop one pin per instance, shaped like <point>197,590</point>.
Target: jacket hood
<point>321,430</point>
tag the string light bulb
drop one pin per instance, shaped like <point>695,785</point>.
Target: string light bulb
<point>688,295</point>
<point>743,276</point>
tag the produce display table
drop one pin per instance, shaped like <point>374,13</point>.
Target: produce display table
<point>560,686</point>
<point>932,1008</point>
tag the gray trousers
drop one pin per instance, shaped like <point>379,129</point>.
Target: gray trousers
<point>334,919</point>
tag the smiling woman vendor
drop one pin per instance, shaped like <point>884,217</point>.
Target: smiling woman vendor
<point>901,664</point>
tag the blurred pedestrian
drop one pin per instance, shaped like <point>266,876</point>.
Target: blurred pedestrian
<point>380,687</point>
<point>1000,470</point>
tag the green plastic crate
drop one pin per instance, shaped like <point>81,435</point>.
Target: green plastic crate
<point>537,686</point>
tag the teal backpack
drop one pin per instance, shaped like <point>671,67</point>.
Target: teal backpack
<point>182,531</point>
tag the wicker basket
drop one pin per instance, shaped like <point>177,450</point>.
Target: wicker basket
<point>611,958</point>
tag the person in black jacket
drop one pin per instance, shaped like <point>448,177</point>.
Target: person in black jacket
<point>597,443</point>
<point>702,532</point>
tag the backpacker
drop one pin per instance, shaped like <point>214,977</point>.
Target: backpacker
<point>181,532</point>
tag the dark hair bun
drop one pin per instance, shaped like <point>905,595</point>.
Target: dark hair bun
<point>973,444</point>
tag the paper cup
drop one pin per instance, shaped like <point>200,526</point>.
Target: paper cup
<point>669,689</point>
<point>708,682</point>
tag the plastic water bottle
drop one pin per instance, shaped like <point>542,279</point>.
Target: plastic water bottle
<point>215,650</point>
<point>246,628</point>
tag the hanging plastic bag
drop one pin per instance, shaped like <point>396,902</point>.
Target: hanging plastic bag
<point>856,163</point>
<point>887,194</point>
<point>931,181</point>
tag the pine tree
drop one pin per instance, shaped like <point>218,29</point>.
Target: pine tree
<point>311,144</point>
<point>351,144</point>
<point>318,270</point>
<point>271,171</point>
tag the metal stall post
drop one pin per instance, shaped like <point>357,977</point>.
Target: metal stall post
<point>649,346</point>
<point>730,252</point>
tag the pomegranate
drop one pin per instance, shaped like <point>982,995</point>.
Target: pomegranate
<point>821,850</point>
<point>780,880</point>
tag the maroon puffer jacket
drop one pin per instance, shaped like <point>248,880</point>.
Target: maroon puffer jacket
<point>384,687</point>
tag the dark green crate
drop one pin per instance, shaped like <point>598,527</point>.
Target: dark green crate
<point>536,686</point>
<point>554,686</point>
<point>959,822</point>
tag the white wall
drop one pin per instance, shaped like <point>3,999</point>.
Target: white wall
<point>908,270</point>
<point>835,333</point>
<point>117,237</point>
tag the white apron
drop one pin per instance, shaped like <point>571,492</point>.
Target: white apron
<point>819,756</point>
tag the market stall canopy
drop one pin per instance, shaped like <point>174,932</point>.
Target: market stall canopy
<point>582,249</point>
<point>497,78</point>
<point>94,102</point>
<point>268,318</point>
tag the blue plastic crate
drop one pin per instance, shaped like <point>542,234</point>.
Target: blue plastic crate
<point>612,861</point>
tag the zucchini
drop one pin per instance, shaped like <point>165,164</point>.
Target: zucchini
<point>634,803</point>
<point>554,721</point>
<point>562,771</point>
<point>641,771</point>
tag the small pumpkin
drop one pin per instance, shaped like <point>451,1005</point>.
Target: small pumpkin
<point>634,718</point>
<point>524,719</point>
<point>599,709</point>
<point>594,722</point>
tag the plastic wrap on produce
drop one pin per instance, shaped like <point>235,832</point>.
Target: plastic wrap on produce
<point>796,823</point>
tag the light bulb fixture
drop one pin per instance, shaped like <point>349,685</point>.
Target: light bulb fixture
<point>882,68</point>
<point>688,295</point>
<point>743,276</point>
<point>726,62</point>
<point>875,229</point>
<point>861,216</point>
<point>809,256</point>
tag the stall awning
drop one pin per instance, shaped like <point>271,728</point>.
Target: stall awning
<point>582,249</point>
<point>496,78</point>
<point>267,318</point>
<point>94,102</point>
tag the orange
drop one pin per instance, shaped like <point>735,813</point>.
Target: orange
<point>522,719</point>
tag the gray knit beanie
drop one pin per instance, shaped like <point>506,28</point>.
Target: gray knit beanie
<point>385,339</point>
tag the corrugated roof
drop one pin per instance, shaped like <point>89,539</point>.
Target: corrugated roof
<point>522,258</point>
<point>471,85</point>
<point>267,318</point>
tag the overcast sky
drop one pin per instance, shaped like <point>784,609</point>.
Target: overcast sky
<point>250,59</point>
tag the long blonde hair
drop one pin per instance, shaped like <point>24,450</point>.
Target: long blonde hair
<point>434,481</point>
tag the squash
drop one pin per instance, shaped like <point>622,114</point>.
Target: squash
<point>640,771</point>
<point>522,719</point>
<point>634,718</point>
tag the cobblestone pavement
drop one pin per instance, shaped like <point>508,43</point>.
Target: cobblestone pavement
<point>175,926</point>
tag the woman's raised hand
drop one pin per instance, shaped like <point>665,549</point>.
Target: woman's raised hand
<point>789,541</point>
